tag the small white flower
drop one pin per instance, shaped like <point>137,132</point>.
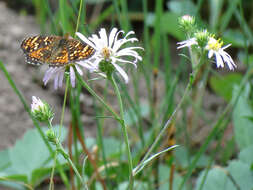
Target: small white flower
<point>37,104</point>
<point>214,48</point>
<point>109,49</point>
<point>58,74</point>
<point>187,43</point>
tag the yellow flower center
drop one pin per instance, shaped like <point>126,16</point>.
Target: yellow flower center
<point>106,52</point>
<point>214,44</point>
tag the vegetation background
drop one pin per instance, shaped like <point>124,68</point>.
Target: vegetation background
<point>213,127</point>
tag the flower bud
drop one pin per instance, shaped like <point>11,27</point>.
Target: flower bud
<point>51,136</point>
<point>187,22</point>
<point>202,38</point>
<point>41,110</point>
<point>106,67</point>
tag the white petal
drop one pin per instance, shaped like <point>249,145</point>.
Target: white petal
<point>61,76</point>
<point>219,61</point>
<point>84,39</point>
<point>72,76</point>
<point>49,73</point>
<point>210,53</point>
<point>103,36</point>
<point>56,81</point>
<point>112,37</point>
<point>129,33</point>
<point>121,71</point>
<point>123,61</point>
<point>79,70</point>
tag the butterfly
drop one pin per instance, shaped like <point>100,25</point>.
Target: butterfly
<point>55,50</point>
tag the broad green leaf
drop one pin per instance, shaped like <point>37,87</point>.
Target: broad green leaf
<point>38,175</point>
<point>4,159</point>
<point>164,176</point>
<point>29,153</point>
<point>11,185</point>
<point>246,155</point>
<point>242,174</point>
<point>216,179</point>
<point>223,85</point>
<point>243,126</point>
<point>13,181</point>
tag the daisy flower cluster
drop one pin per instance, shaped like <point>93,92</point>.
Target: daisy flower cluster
<point>108,57</point>
<point>202,39</point>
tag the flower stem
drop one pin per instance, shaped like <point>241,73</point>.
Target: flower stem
<point>61,150</point>
<point>64,104</point>
<point>93,93</point>
<point>66,156</point>
<point>122,122</point>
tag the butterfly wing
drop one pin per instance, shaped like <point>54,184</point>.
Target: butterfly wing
<point>38,49</point>
<point>79,51</point>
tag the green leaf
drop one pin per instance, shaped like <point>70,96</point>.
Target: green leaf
<point>223,85</point>
<point>28,153</point>
<point>216,179</point>
<point>4,159</point>
<point>38,175</point>
<point>13,181</point>
<point>113,147</point>
<point>241,174</point>
<point>246,155</point>
<point>169,24</point>
<point>243,126</point>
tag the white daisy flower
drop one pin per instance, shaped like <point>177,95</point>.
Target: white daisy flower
<point>109,50</point>
<point>214,48</point>
<point>58,74</point>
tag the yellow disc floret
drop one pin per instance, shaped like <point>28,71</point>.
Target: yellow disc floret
<point>214,44</point>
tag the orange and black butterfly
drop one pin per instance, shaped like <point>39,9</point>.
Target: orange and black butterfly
<point>55,50</point>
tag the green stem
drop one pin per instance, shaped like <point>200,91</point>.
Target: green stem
<point>64,105</point>
<point>93,93</point>
<point>79,14</point>
<point>66,156</point>
<point>129,156</point>
<point>51,184</point>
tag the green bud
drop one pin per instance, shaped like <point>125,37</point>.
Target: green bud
<point>51,136</point>
<point>202,38</point>
<point>187,22</point>
<point>106,67</point>
<point>41,110</point>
